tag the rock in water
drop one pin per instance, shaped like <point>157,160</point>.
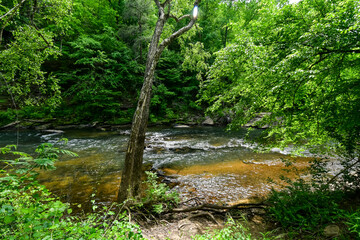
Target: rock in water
<point>181,126</point>
<point>208,121</point>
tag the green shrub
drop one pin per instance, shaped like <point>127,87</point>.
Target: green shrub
<point>7,117</point>
<point>301,208</point>
<point>158,197</point>
<point>353,222</point>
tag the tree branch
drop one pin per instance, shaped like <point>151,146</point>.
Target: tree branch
<point>42,36</point>
<point>318,61</point>
<point>180,18</point>
<point>179,32</point>
<point>13,9</point>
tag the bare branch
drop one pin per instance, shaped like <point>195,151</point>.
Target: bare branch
<point>175,35</point>
<point>42,36</point>
<point>13,9</point>
<point>180,18</point>
<point>178,33</point>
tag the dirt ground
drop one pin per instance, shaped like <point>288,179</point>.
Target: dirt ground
<point>184,226</point>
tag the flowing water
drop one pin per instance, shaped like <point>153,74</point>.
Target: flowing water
<point>206,162</point>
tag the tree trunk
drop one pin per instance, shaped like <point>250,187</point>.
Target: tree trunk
<point>131,176</point>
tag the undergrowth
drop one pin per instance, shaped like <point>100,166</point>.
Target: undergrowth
<point>304,208</point>
<point>29,211</point>
<point>157,197</point>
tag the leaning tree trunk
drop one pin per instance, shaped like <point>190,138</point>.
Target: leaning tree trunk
<point>131,176</point>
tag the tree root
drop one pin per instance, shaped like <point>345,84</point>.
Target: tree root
<point>200,214</point>
<point>218,208</point>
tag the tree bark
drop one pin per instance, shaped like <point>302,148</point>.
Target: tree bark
<point>131,176</point>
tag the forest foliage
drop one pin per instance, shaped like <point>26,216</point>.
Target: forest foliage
<point>83,61</point>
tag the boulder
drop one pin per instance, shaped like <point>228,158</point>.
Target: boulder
<point>208,122</point>
<point>181,126</point>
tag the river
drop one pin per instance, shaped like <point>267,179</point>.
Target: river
<point>205,162</point>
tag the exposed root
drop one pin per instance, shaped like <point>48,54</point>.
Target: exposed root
<point>129,212</point>
<point>218,208</point>
<point>200,214</point>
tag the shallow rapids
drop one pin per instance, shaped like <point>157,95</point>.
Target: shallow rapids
<point>206,162</point>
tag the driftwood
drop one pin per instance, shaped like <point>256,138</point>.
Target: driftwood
<point>10,125</point>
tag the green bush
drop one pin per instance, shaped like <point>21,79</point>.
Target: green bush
<point>7,117</point>
<point>301,208</point>
<point>353,222</point>
<point>158,197</point>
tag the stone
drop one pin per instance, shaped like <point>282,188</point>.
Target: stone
<point>52,131</point>
<point>332,231</point>
<point>208,121</point>
<point>181,126</point>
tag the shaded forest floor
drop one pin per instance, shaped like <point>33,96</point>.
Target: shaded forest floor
<point>181,226</point>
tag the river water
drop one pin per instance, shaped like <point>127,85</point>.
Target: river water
<point>205,162</point>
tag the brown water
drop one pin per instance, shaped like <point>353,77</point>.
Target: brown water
<point>209,163</point>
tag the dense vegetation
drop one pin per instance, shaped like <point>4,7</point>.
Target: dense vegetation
<point>82,61</point>
<point>30,211</point>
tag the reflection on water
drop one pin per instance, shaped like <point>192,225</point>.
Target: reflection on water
<point>208,162</point>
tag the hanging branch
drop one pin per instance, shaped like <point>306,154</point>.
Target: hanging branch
<point>12,12</point>
<point>13,9</point>
<point>180,18</point>
<point>42,36</point>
